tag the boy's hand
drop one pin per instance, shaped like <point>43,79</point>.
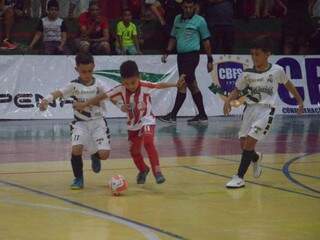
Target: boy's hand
<point>300,108</point>
<point>43,105</point>
<point>125,108</point>
<point>164,58</point>
<point>80,106</point>
<point>226,108</point>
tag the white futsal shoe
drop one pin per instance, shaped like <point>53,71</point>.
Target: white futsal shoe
<point>235,182</point>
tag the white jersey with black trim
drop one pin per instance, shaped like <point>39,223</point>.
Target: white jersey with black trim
<point>81,92</point>
<point>261,87</point>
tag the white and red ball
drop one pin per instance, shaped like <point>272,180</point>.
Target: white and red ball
<point>117,184</point>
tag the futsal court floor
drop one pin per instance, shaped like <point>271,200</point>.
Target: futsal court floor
<point>284,203</point>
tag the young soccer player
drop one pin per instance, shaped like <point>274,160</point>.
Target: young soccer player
<point>127,35</point>
<point>89,124</point>
<point>260,84</point>
<point>134,95</point>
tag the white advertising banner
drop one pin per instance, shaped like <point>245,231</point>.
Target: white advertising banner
<point>24,80</point>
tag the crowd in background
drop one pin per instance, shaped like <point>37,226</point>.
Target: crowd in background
<point>93,17</point>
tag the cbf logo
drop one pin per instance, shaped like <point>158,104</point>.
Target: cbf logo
<point>224,75</point>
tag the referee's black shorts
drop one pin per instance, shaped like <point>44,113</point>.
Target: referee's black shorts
<point>187,64</point>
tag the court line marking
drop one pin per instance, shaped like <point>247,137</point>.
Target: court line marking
<point>286,171</point>
<point>99,211</point>
<point>252,182</point>
<point>144,231</point>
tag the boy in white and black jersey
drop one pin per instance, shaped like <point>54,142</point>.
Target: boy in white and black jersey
<point>53,30</point>
<point>89,126</point>
<point>260,85</point>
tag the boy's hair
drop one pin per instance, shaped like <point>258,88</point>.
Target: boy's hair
<point>84,58</point>
<point>126,10</point>
<point>93,3</point>
<point>52,3</point>
<point>263,42</point>
<point>129,69</point>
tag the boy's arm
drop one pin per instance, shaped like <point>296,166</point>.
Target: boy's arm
<point>136,43</point>
<point>43,105</point>
<point>178,84</point>
<point>91,102</point>
<point>292,89</point>
<point>232,96</point>
<point>35,39</point>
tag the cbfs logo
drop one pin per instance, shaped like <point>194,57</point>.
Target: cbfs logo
<point>225,73</point>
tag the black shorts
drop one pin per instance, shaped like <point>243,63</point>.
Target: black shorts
<point>187,64</point>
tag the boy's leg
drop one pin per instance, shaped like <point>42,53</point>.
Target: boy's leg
<point>256,124</point>
<point>132,50</point>
<point>76,161</point>
<point>135,150</point>
<point>101,137</point>
<point>248,155</point>
<point>77,167</point>
<point>148,141</point>
<point>79,138</point>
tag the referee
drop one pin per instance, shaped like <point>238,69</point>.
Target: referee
<point>188,31</point>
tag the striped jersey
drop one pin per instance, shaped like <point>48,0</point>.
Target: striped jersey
<point>261,87</point>
<point>80,92</point>
<point>140,113</point>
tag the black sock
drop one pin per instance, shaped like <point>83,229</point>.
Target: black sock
<point>76,163</point>
<point>96,155</point>
<point>197,98</point>
<point>255,156</point>
<point>247,157</point>
<point>178,103</point>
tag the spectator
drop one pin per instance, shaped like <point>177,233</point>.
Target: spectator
<point>72,6</point>
<point>263,8</point>
<point>54,31</point>
<point>172,8</point>
<point>127,35</point>
<point>157,10</point>
<point>219,16</point>
<point>297,27</point>
<point>22,8</point>
<point>7,15</point>
<point>314,8</point>
<point>94,32</point>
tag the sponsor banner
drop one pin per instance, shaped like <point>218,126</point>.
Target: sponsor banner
<point>24,80</point>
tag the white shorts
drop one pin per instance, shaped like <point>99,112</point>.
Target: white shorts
<point>256,121</point>
<point>92,134</point>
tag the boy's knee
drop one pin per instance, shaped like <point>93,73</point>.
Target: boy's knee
<point>104,154</point>
<point>77,150</point>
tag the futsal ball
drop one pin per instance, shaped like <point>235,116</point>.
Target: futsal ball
<point>117,184</point>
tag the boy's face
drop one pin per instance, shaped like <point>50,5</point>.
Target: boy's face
<point>131,83</point>
<point>85,72</point>
<point>53,12</point>
<point>94,11</point>
<point>259,57</point>
<point>127,16</point>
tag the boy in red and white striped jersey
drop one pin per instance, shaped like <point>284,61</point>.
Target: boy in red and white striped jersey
<point>134,96</point>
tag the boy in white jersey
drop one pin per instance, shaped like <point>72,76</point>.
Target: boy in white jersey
<point>260,85</point>
<point>89,126</point>
<point>134,96</point>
